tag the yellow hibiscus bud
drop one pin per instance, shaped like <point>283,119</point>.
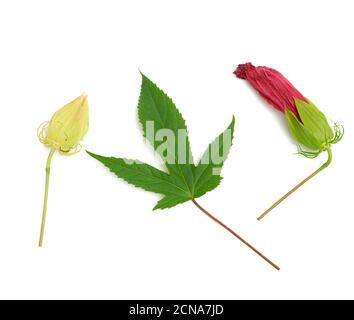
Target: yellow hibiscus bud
<point>67,127</point>
<point>64,133</point>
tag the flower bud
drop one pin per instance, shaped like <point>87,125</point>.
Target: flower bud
<point>67,127</point>
<point>313,131</point>
<point>307,124</point>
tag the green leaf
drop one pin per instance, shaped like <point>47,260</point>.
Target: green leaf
<point>142,175</point>
<point>165,128</point>
<point>157,108</point>
<point>207,172</point>
<point>170,201</point>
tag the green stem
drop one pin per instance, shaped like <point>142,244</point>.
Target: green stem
<point>47,175</point>
<point>325,165</point>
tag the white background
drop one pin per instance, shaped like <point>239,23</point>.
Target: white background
<point>102,240</point>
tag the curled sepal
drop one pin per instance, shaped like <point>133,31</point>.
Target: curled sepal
<point>308,154</point>
<point>338,133</point>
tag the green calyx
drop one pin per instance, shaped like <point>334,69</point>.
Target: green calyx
<point>313,133</point>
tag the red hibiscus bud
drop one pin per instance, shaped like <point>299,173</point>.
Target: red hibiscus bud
<point>272,86</point>
<point>307,124</point>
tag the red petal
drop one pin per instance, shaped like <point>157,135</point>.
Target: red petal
<point>272,86</point>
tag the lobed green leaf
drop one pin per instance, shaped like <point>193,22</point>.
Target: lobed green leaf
<point>184,181</point>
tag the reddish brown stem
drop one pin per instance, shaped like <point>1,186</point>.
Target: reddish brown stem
<point>235,234</point>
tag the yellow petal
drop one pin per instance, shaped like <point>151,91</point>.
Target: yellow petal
<point>68,125</point>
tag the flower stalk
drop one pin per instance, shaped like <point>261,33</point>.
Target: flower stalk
<point>45,203</point>
<point>315,173</point>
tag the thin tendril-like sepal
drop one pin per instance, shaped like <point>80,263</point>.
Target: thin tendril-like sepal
<point>308,154</point>
<point>74,150</point>
<point>42,132</point>
<point>338,133</point>
<point>42,137</point>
